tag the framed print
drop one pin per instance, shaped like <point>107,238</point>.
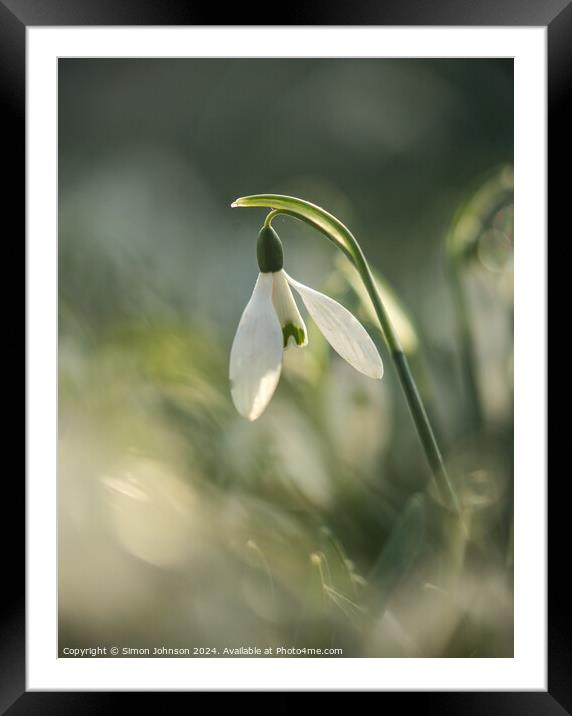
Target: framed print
<point>286,354</point>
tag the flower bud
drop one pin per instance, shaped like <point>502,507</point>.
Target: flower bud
<point>269,251</point>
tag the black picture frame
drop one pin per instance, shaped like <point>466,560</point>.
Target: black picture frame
<point>15,17</point>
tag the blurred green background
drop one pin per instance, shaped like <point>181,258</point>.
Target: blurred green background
<point>180,523</point>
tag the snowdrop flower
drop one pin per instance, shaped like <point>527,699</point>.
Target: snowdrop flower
<point>271,323</point>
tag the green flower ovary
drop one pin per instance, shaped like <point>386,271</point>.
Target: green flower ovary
<point>297,332</point>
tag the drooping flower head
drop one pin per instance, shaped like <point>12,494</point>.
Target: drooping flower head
<point>271,323</point>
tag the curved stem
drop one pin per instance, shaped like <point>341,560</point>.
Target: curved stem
<point>269,218</point>
<point>342,237</point>
<point>470,220</point>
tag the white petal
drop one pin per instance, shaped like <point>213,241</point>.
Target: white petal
<point>288,314</point>
<point>256,353</point>
<point>342,330</point>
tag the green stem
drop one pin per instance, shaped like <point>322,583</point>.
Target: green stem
<point>416,407</point>
<point>342,237</point>
<point>470,220</point>
<point>269,218</point>
<point>466,345</point>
